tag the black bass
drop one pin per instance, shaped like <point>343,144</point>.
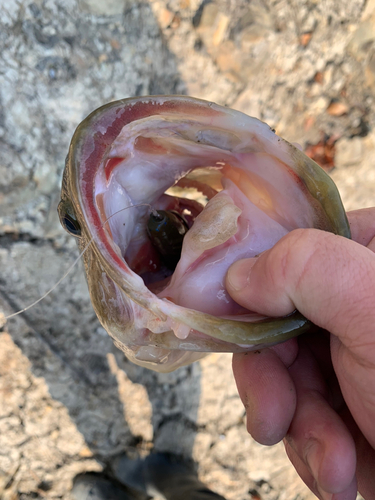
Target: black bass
<point>221,185</point>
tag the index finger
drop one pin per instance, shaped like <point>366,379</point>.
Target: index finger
<point>362,225</point>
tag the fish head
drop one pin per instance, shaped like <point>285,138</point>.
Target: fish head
<point>233,187</point>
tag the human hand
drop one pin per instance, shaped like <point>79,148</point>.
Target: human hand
<point>316,392</point>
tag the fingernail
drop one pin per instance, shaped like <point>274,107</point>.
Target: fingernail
<point>313,457</point>
<point>239,274</point>
<point>324,495</point>
<point>314,452</point>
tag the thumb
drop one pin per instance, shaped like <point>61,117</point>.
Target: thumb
<point>328,278</point>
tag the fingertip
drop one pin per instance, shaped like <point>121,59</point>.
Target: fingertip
<point>324,444</point>
<point>287,351</point>
<point>267,393</point>
<point>261,284</point>
<point>238,275</point>
<point>332,487</point>
<point>348,493</point>
<point>362,225</point>
<point>337,469</point>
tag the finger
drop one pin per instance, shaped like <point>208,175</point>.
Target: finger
<point>365,460</point>
<point>356,377</point>
<point>267,392</point>
<point>303,471</point>
<point>317,435</point>
<point>329,279</point>
<point>318,342</point>
<point>362,225</point>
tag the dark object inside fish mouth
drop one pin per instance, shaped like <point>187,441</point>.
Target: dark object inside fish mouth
<point>166,230</point>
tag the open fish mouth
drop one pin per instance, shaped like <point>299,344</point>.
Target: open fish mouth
<point>222,187</point>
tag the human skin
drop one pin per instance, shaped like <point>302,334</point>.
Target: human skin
<point>317,392</point>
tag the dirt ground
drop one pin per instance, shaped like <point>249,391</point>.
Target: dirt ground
<point>69,401</point>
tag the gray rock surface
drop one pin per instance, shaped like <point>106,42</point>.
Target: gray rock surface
<point>69,401</point>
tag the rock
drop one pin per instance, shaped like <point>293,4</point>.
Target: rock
<point>362,37</point>
<point>369,10</point>
<point>165,16</point>
<point>370,70</point>
<point>222,24</point>
<point>305,38</point>
<point>319,77</point>
<point>107,8</point>
<point>253,34</point>
<point>349,152</point>
<point>319,105</point>
<point>212,26</point>
<point>259,475</point>
<point>184,4</point>
<point>228,58</point>
<point>208,16</point>
<point>45,178</point>
<point>337,108</point>
<point>257,14</point>
<point>256,23</point>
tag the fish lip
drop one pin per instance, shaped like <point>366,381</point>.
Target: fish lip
<point>82,147</point>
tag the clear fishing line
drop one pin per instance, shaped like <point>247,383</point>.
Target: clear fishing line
<point>153,211</point>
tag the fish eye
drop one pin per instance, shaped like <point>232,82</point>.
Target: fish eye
<point>68,218</point>
<point>71,225</point>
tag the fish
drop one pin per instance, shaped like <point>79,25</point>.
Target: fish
<point>165,193</point>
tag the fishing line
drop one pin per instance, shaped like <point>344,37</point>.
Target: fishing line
<point>153,211</point>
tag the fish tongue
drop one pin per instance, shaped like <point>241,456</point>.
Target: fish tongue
<point>214,225</point>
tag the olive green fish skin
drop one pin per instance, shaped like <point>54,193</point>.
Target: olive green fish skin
<point>123,305</point>
<point>323,189</point>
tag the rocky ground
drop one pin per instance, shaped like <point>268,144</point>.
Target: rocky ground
<point>69,401</point>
